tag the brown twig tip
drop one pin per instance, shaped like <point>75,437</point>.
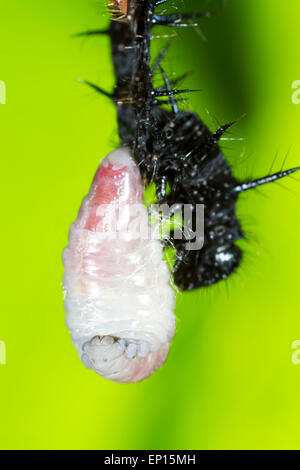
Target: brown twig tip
<point>120,4</point>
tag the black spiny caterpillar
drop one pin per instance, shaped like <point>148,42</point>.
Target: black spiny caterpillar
<point>173,147</point>
<point>120,329</point>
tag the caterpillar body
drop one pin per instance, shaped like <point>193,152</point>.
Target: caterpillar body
<point>118,327</point>
<point>173,147</point>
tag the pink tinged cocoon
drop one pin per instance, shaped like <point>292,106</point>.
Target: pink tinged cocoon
<point>118,301</point>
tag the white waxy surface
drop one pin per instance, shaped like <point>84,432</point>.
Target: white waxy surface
<point>118,300</point>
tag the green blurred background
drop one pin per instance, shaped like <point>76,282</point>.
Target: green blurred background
<point>229,381</point>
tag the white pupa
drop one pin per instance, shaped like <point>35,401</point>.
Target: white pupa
<point>118,300</point>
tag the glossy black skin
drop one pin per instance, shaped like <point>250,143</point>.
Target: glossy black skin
<point>175,147</point>
<point>202,178</point>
